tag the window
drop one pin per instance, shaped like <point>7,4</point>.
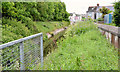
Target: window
<point>90,14</point>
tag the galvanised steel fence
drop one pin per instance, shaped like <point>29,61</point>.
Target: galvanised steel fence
<point>22,54</point>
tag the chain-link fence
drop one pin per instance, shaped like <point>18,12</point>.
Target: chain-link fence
<point>22,54</point>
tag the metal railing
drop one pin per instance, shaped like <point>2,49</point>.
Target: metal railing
<point>22,54</point>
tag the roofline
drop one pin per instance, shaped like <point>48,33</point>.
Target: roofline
<point>102,6</point>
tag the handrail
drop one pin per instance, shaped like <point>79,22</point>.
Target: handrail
<point>21,48</point>
<point>18,41</point>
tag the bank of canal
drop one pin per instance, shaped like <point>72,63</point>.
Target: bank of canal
<point>50,44</point>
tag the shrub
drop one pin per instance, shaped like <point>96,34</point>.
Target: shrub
<point>90,19</point>
<point>116,14</point>
<point>95,20</point>
<point>15,27</point>
<point>100,19</point>
<point>8,36</point>
<point>104,11</point>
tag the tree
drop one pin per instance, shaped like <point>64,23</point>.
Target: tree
<point>36,11</point>
<point>104,11</point>
<point>116,14</point>
<point>50,11</point>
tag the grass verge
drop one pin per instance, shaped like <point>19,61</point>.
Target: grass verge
<point>84,48</point>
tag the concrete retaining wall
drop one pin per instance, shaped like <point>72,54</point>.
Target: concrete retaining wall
<point>112,33</point>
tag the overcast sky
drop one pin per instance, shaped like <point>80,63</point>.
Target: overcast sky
<point>81,6</point>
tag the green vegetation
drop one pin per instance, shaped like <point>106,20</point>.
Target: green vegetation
<point>46,27</point>
<point>0,33</point>
<point>83,18</point>
<point>21,19</point>
<point>83,48</point>
<point>112,24</point>
<point>104,11</point>
<point>36,11</point>
<point>100,19</point>
<point>116,14</point>
<point>13,30</point>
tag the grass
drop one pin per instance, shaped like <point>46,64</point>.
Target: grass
<point>84,48</point>
<point>50,26</point>
<point>46,27</point>
<point>0,31</point>
<point>43,27</point>
<point>0,34</point>
<point>13,30</point>
<point>112,24</point>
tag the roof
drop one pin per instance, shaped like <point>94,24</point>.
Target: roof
<point>109,7</point>
<point>77,14</point>
<point>71,14</point>
<point>92,8</point>
<point>96,8</point>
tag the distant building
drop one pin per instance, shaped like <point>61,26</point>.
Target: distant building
<point>83,15</point>
<point>94,13</point>
<point>74,17</point>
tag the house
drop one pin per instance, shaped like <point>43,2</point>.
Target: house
<point>74,17</point>
<point>94,13</point>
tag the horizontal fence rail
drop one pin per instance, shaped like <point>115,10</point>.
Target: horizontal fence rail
<point>22,54</point>
<point>112,33</point>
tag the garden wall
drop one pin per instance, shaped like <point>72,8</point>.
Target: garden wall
<point>112,33</point>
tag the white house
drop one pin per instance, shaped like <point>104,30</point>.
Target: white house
<point>74,17</point>
<point>94,13</point>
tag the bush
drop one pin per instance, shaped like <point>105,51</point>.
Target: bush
<point>100,19</point>
<point>12,30</point>
<point>116,14</point>
<point>20,30</point>
<point>90,19</point>
<point>15,27</point>
<point>8,36</point>
<point>95,20</point>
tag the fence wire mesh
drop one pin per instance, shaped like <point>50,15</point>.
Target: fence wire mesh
<point>32,52</point>
<point>21,56</point>
<point>10,57</point>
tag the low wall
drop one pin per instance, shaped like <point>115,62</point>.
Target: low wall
<point>112,33</point>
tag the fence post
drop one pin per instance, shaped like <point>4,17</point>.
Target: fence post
<point>41,46</point>
<point>22,56</point>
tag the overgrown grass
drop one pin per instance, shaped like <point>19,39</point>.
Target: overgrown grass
<point>112,24</point>
<point>84,48</point>
<point>50,26</point>
<point>0,33</point>
<point>13,29</point>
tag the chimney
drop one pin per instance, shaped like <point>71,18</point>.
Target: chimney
<point>98,4</point>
